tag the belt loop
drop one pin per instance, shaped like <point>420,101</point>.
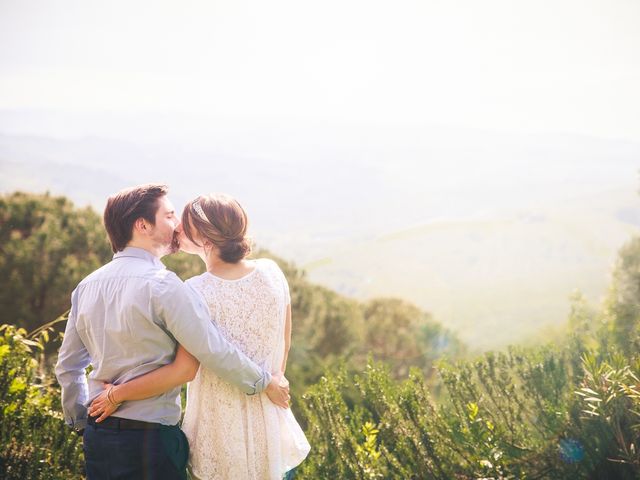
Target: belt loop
<point>118,424</point>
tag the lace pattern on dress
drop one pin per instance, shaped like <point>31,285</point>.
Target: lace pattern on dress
<point>233,435</point>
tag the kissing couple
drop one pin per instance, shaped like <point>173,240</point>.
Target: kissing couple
<point>145,333</point>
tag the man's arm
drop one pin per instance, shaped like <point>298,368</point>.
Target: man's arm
<point>73,359</point>
<point>181,310</point>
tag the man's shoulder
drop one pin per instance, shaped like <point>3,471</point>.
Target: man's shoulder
<point>122,269</point>
<point>96,274</point>
<point>196,279</point>
<point>167,278</point>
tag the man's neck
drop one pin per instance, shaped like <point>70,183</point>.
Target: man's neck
<point>146,247</point>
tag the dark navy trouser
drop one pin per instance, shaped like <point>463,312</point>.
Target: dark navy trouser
<point>117,454</point>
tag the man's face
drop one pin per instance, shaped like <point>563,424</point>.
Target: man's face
<point>163,232</point>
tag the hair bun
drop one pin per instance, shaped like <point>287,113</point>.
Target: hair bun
<point>223,224</point>
<point>232,251</point>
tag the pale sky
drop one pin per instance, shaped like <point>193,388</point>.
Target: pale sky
<point>536,66</point>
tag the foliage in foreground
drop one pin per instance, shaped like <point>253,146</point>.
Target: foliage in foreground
<point>34,441</point>
<point>507,416</point>
<point>552,413</point>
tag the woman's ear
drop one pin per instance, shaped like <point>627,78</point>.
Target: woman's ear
<point>206,245</point>
<point>209,247</point>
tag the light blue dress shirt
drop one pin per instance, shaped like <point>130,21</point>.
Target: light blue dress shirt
<point>126,320</point>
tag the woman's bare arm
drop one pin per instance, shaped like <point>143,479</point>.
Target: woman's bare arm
<point>287,338</point>
<point>183,369</point>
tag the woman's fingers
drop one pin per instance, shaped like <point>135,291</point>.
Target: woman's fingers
<point>97,403</point>
<point>105,413</point>
<point>102,412</point>
<point>100,406</point>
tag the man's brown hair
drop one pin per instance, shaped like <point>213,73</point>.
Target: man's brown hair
<point>127,206</point>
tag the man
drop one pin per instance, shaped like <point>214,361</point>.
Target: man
<point>126,319</point>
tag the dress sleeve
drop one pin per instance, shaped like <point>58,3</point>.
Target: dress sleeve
<point>285,285</point>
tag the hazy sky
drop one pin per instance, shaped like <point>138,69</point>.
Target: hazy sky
<point>546,65</point>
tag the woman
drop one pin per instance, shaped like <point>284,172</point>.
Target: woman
<point>231,435</point>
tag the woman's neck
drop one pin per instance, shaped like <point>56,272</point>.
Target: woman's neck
<point>226,270</point>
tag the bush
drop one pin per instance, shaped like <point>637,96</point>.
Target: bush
<point>514,415</point>
<point>610,392</point>
<point>35,443</point>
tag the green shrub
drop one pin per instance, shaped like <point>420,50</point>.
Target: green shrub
<point>610,393</point>
<point>514,415</point>
<point>34,441</point>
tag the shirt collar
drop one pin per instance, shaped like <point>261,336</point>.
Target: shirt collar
<point>141,253</point>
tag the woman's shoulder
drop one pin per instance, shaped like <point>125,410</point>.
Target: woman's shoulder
<point>272,269</point>
<point>267,264</point>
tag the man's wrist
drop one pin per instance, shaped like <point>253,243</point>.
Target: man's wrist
<point>78,425</point>
<point>261,384</point>
<point>267,379</point>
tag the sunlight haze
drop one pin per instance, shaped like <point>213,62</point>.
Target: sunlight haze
<point>479,159</point>
<point>568,66</point>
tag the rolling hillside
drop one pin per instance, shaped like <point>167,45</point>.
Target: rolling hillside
<point>489,232</point>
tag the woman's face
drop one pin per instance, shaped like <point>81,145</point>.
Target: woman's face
<point>187,245</point>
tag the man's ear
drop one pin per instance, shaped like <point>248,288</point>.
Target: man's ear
<point>140,225</point>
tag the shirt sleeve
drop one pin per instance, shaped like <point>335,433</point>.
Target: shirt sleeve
<point>183,313</point>
<point>73,359</point>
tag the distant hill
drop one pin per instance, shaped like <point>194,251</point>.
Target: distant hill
<point>494,281</point>
<point>489,232</point>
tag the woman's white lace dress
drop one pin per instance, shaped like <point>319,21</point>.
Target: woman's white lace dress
<point>233,435</point>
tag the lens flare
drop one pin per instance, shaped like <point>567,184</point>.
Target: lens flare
<point>571,451</point>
